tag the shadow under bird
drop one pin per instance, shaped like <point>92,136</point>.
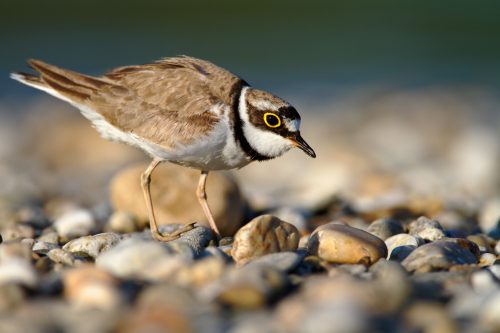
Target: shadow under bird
<point>183,110</point>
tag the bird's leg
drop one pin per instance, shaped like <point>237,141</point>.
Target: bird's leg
<point>145,183</point>
<point>202,198</point>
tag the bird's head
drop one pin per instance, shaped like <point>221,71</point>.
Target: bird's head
<point>270,125</point>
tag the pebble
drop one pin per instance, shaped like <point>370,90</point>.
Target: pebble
<point>49,235</point>
<point>122,222</point>
<point>482,241</point>
<point>426,228</point>
<point>488,317</point>
<point>439,255</point>
<point>75,223</point>
<point>264,234</point>
<point>92,246</point>
<point>15,249</point>
<point>43,247</point>
<point>401,245</point>
<point>342,244</point>
<point>61,256</point>
<point>173,194</point>
<point>295,216</point>
<point>489,216</point>
<point>282,261</point>
<point>487,259</point>
<point>17,231</point>
<point>18,271</point>
<point>248,288</point>
<point>429,317</point>
<point>201,272</point>
<point>484,281</point>
<point>11,296</point>
<point>384,228</point>
<point>197,239</point>
<point>88,287</point>
<point>142,259</point>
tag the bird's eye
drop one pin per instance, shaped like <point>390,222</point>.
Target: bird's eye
<point>272,120</point>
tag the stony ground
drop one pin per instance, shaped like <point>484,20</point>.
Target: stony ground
<point>393,228</point>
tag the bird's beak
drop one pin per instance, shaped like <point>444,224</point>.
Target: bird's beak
<point>300,143</point>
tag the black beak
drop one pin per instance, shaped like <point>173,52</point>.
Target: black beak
<point>302,144</point>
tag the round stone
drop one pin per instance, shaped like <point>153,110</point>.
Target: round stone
<point>17,231</point>
<point>91,287</point>
<point>384,228</point>
<point>92,246</point>
<point>401,245</point>
<point>342,244</point>
<point>137,258</point>
<point>75,223</point>
<point>439,255</point>
<point>264,234</point>
<point>122,222</point>
<point>173,193</point>
<point>426,228</point>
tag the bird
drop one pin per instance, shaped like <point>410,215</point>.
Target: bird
<point>182,110</point>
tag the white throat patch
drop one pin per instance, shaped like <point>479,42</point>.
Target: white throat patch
<point>266,143</point>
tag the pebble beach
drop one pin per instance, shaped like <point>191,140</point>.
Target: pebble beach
<point>395,227</point>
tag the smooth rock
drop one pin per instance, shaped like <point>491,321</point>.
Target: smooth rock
<point>136,258</point>
<point>341,244</point>
<point>439,255</point>
<point>61,256</point>
<point>197,239</point>
<point>15,249</point>
<point>94,245</point>
<point>17,271</point>
<point>49,235</point>
<point>483,242</point>
<point>384,228</point>
<point>201,272</point>
<point>484,281</point>
<point>11,296</point>
<point>487,259</point>
<point>17,231</point>
<point>429,317</point>
<point>90,287</point>
<point>173,194</point>
<point>488,317</point>
<point>264,234</point>
<point>401,245</point>
<point>75,223</point>
<point>43,247</point>
<point>248,288</point>
<point>426,228</point>
<point>282,261</point>
<point>122,222</point>
<point>489,216</point>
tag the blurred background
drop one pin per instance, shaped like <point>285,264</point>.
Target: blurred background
<point>399,99</point>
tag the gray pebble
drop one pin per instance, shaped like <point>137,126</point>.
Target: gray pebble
<point>17,231</point>
<point>75,223</point>
<point>426,228</point>
<point>143,259</point>
<point>405,242</point>
<point>61,256</point>
<point>282,261</point>
<point>92,246</point>
<point>43,247</point>
<point>439,255</point>
<point>384,228</point>
<point>198,239</point>
<point>17,271</point>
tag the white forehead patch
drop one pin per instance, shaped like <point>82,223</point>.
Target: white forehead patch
<point>292,125</point>
<point>264,105</point>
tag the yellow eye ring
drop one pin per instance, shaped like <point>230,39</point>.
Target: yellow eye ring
<point>272,120</point>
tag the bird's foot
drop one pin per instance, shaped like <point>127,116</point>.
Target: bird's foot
<point>164,237</point>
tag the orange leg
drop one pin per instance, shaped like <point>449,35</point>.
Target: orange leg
<point>145,183</point>
<point>202,198</point>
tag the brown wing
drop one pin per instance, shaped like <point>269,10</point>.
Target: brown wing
<point>166,102</point>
